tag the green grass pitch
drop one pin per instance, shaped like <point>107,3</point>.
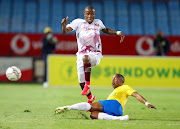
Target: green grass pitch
<point>30,106</point>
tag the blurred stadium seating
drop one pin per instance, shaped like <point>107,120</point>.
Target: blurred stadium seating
<point>174,17</point>
<point>43,15</point>
<point>162,16</point>
<point>134,17</point>
<point>30,16</point>
<point>148,17</point>
<point>122,16</point>
<point>109,14</point>
<point>17,16</point>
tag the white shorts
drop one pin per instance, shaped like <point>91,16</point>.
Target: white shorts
<point>95,58</point>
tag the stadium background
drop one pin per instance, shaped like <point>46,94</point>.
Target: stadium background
<point>22,23</point>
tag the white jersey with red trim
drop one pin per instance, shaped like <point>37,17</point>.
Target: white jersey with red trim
<point>88,35</point>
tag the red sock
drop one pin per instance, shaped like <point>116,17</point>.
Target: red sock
<point>90,96</point>
<point>87,71</point>
<point>87,83</point>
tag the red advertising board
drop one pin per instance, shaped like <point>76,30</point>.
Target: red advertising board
<point>136,45</point>
<point>25,64</point>
<point>30,45</point>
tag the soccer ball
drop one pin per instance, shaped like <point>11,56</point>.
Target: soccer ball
<point>13,73</point>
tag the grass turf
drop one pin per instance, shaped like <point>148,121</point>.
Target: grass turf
<point>30,106</point>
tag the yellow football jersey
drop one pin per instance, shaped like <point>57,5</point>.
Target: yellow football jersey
<point>121,94</point>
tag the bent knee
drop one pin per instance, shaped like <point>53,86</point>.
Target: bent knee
<point>86,59</point>
<point>96,107</point>
<point>94,115</point>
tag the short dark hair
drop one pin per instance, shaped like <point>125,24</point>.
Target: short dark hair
<point>121,76</point>
<point>89,7</point>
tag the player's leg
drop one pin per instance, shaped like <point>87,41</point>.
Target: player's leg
<point>80,106</point>
<point>95,108</point>
<point>87,71</point>
<point>104,110</point>
<point>104,116</point>
<point>45,83</point>
<point>90,97</point>
<point>89,61</point>
<point>81,76</point>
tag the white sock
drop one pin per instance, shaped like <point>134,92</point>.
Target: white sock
<point>104,116</point>
<point>80,106</point>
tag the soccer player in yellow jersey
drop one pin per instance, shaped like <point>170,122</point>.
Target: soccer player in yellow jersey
<point>113,107</point>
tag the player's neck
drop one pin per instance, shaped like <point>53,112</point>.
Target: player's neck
<point>90,22</point>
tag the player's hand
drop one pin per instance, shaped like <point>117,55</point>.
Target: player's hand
<point>64,21</point>
<point>122,37</point>
<point>151,106</point>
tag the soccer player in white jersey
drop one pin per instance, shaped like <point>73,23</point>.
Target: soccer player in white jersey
<point>89,45</point>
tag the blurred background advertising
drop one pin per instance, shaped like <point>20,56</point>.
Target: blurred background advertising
<point>149,53</point>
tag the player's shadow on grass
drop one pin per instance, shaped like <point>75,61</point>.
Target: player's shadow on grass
<point>73,115</point>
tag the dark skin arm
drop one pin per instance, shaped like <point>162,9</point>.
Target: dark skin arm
<point>105,30</point>
<point>97,107</point>
<point>64,29</point>
<point>142,99</point>
<point>112,32</point>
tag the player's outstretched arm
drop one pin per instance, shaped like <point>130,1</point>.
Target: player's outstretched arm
<point>143,100</point>
<point>113,32</point>
<point>64,29</point>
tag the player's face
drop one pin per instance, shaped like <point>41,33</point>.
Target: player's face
<point>116,81</point>
<point>89,15</point>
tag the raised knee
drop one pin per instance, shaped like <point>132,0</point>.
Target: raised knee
<point>94,115</point>
<point>86,59</point>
